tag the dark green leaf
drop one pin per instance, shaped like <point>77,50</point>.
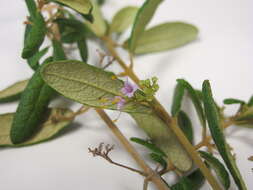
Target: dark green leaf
<point>185,125</point>
<point>72,23</point>
<point>144,15</point>
<point>33,61</point>
<point>13,92</point>
<point>193,181</point>
<point>83,50</point>
<point>165,37</point>
<point>164,138</point>
<point>218,167</point>
<point>195,99</point>
<point>215,127</point>
<point>58,52</point>
<point>35,37</point>
<point>33,104</point>
<point>71,37</point>
<point>159,159</point>
<point>32,8</point>
<point>233,101</point>
<point>250,103</point>
<point>152,147</point>
<point>177,99</point>
<point>48,130</point>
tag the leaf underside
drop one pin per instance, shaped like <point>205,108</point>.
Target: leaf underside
<point>46,131</point>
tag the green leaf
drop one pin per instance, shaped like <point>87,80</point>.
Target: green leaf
<point>58,51</point>
<point>123,19</point>
<point>35,37</point>
<point>193,181</point>
<point>165,36</point>
<point>233,101</point>
<point>95,87</point>
<point>250,103</point>
<point>81,6</point>
<point>218,167</point>
<point>215,127</point>
<point>98,27</point>
<point>185,125</point>
<point>144,15</point>
<point>195,99</point>
<point>73,23</point>
<point>33,61</point>
<point>71,37</point>
<point>246,115</point>
<point>46,131</point>
<point>177,99</point>
<point>164,138</point>
<point>152,147</point>
<point>13,92</point>
<point>87,84</point>
<point>33,104</point>
<point>32,8</point>
<point>83,50</point>
<point>159,159</point>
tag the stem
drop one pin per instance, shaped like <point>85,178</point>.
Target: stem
<point>167,119</point>
<point>156,179</point>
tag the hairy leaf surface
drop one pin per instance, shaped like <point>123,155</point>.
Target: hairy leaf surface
<point>218,167</point>
<point>215,127</point>
<point>87,84</point>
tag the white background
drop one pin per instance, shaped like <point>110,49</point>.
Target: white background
<point>222,54</point>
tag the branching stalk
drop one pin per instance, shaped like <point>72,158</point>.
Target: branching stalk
<point>156,179</point>
<point>162,113</point>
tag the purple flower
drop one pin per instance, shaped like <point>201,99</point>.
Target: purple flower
<point>129,89</point>
<point>120,102</point>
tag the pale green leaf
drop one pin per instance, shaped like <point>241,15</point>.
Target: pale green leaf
<point>48,130</point>
<point>123,19</point>
<point>165,36</point>
<point>98,26</point>
<point>87,84</point>
<point>214,123</point>
<point>144,15</point>
<point>13,92</point>
<point>164,138</point>
<point>82,6</point>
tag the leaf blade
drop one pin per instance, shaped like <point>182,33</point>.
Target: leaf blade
<point>46,132</point>
<point>81,6</point>
<point>164,138</point>
<point>123,19</point>
<point>165,37</point>
<point>177,99</point>
<point>13,92</point>
<point>144,15</point>
<point>217,134</point>
<point>218,167</point>
<point>87,85</point>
